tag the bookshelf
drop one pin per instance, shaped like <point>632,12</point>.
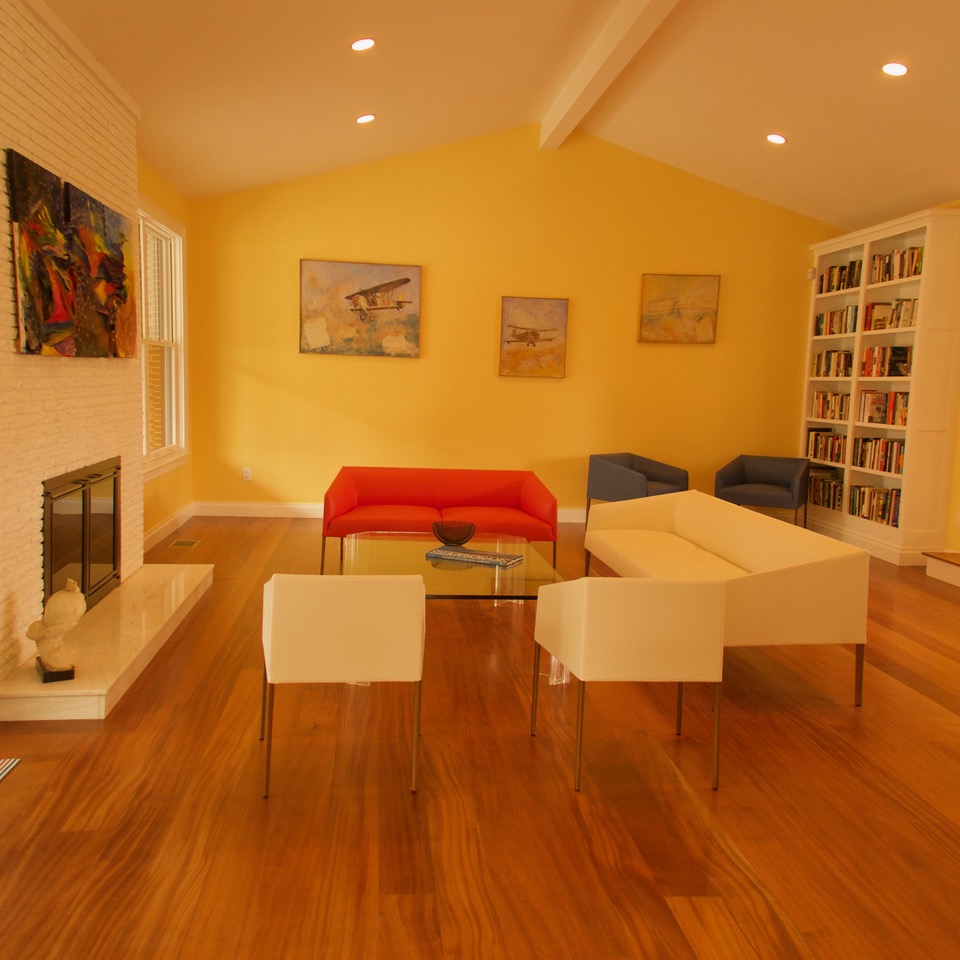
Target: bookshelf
<point>880,406</point>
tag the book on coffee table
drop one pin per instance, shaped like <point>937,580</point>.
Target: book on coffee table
<point>466,555</point>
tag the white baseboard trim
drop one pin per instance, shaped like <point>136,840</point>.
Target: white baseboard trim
<point>312,511</point>
<point>213,508</point>
<point>153,536</point>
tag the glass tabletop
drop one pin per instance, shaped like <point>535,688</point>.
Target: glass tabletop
<point>405,553</point>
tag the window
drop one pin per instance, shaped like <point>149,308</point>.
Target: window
<point>161,267</point>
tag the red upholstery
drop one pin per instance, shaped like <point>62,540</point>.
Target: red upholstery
<point>512,502</point>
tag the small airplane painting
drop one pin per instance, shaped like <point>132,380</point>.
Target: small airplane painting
<point>533,337</point>
<point>529,335</point>
<point>378,297</point>
<point>360,309</point>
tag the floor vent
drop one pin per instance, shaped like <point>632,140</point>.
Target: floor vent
<point>184,543</point>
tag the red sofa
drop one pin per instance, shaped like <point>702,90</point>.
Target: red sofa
<point>410,499</point>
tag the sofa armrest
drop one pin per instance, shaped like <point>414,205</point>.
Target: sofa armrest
<point>610,479</point>
<point>729,475</point>
<point>618,628</point>
<point>644,513</point>
<point>340,498</point>
<point>662,472</point>
<point>539,502</point>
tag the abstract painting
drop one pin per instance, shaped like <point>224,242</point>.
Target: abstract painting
<point>73,275</point>
<point>359,309</point>
<point>679,308</point>
<point>533,337</point>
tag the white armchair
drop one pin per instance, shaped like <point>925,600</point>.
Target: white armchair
<point>606,628</point>
<point>319,629</point>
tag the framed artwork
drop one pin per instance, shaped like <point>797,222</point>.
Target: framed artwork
<point>73,259</point>
<point>533,337</point>
<point>359,309</point>
<point>679,308</point>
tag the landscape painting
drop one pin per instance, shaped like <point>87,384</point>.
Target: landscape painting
<point>73,259</point>
<point>679,308</point>
<point>359,309</point>
<point>533,337</point>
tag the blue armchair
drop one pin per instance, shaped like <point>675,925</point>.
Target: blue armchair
<point>627,476</point>
<point>752,481</point>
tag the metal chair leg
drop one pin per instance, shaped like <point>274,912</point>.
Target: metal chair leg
<point>581,697</point>
<point>858,683</point>
<point>263,701</point>
<point>269,738</point>
<point>536,689</point>
<point>323,551</point>
<point>716,736</point>
<point>679,707</point>
<point>417,700</point>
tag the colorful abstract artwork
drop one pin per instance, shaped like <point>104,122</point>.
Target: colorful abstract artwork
<point>679,308</point>
<point>73,268</point>
<point>533,337</point>
<point>361,309</point>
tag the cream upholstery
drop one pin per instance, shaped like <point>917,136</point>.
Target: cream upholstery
<point>320,629</point>
<point>783,584</point>
<point>632,629</point>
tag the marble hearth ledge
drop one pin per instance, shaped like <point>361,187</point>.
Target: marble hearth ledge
<point>111,646</point>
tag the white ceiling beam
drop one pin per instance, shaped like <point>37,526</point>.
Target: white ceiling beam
<point>631,24</point>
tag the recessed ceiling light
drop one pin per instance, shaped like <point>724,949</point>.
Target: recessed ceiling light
<point>366,118</point>
<point>776,138</point>
<point>894,69</point>
<point>365,44</point>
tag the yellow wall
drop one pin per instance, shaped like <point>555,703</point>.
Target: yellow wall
<point>171,493</point>
<point>485,218</point>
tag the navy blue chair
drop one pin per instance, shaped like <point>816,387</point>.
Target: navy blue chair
<point>776,482</point>
<point>627,476</point>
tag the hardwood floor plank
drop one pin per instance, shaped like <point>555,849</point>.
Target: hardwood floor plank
<point>835,832</point>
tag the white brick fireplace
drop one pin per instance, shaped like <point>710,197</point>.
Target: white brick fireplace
<point>59,109</point>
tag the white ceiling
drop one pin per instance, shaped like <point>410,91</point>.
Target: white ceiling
<point>237,94</point>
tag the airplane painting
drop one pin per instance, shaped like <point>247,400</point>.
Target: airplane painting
<point>533,337</point>
<point>359,309</point>
<point>529,335</point>
<point>378,297</point>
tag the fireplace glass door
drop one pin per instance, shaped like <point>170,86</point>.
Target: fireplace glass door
<point>81,530</point>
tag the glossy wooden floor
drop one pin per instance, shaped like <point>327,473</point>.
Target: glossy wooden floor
<point>835,832</point>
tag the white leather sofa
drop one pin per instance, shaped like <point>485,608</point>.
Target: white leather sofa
<point>784,584</point>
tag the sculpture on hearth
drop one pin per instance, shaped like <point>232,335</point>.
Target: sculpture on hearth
<point>61,613</point>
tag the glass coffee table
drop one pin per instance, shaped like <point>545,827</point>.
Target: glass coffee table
<point>405,553</point>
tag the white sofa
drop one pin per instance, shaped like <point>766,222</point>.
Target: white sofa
<point>784,584</point>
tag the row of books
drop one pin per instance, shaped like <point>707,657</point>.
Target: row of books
<point>887,362</point>
<point>832,363</point>
<point>878,453</point>
<point>888,407</point>
<point>825,491</point>
<point>826,445</point>
<point>830,406</point>
<point>896,264</point>
<point>886,316</point>
<point>841,277</point>
<point>836,321</point>
<point>879,504</point>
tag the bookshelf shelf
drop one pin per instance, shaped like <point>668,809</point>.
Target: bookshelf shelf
<point>880,406</point>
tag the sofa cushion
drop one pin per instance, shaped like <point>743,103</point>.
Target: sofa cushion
<point>658,554</point>
<point>388,517</point>
<point>507,520</point>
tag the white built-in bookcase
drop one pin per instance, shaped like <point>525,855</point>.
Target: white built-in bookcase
<point>880,405</point>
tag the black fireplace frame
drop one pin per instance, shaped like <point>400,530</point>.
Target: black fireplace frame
<point>69,484</point>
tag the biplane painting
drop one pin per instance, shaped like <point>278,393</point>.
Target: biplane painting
<point>73,279</point>
<point>360,309</point>
<point>679,308</point>
<point>533,337</point>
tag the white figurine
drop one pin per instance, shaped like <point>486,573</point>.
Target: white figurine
<point>61,613</point>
